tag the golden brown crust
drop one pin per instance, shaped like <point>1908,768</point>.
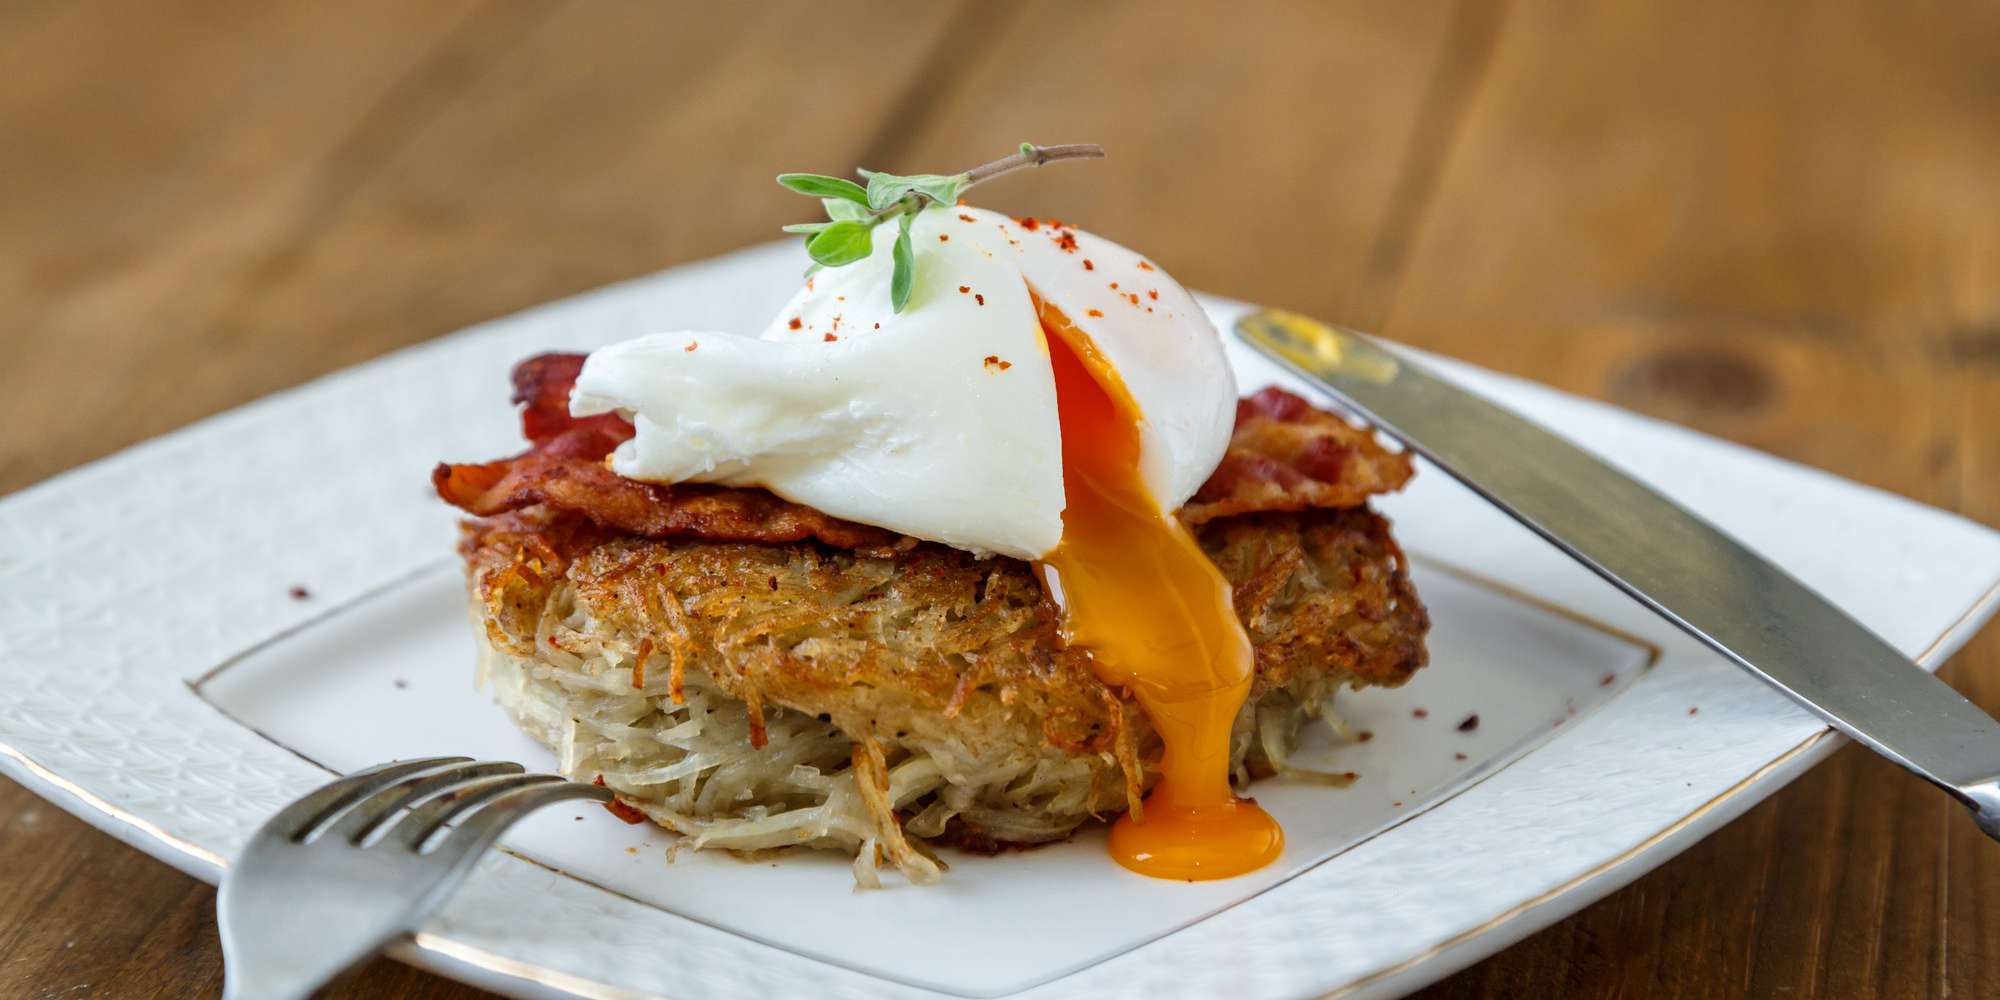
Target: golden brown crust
<point>937,639</point>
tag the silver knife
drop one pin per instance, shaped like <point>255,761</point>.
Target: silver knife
<point>1680,566</point>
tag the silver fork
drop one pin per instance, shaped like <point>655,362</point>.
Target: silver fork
<point>341,873</point>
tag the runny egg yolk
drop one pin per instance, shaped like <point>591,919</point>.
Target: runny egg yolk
<point>1157,619</point>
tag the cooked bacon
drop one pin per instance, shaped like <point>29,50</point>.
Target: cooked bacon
<point>542,386</point>
<point>1285,455</point>
<point>688,510</point>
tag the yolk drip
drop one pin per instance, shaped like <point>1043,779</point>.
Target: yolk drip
<point>1156,616</point>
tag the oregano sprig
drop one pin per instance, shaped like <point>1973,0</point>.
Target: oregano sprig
<point>853,211</point>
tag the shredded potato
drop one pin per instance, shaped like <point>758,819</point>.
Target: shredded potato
<point>794,696</point>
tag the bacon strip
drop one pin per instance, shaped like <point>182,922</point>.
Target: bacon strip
<point>1285,455</point>
<point>542,386</point>
<point>586,487</point>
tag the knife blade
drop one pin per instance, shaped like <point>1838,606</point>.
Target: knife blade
<point>1670,560</point>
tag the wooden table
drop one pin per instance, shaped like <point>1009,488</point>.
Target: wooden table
<point>1776,222</point>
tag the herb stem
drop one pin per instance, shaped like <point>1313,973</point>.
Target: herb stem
<point>1031,156</point>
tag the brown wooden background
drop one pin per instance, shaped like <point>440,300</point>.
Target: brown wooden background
<point>1778,222</point>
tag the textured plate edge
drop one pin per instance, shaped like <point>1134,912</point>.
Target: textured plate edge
<point>1551,905</point>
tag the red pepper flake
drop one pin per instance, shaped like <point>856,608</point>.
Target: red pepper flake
<point>878,326</point>
<point>942,238</point>
<point>1133,297</point>
<point>298,593</point>
<point>993,361</point>
<point>774,583</point>
<point>1420,713</point>
<point>961,202</point>
<point>981,299</point>
<point>1691,711</point>
<point>1469,723</point>
<point>1143,266</point>
<point>1093,312</point>
<point>1397,804</point>
<point>625,812</point>
<point>692,344</point>
<point>1607,680</point>
<point>1066,241</point>
<point>809,284</point>
<point>829,338</point>
<point>1364,736</point>
<point>1153,294</point>
<point>1457,756</point>
<point>795,324</point>
<point>1088,266</point>
<point>1028,222</point>
<point>962,289</point>
<point>1114,286</point>
<point>962,217</point>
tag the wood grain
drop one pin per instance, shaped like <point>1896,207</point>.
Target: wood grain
<point>1778,223</point>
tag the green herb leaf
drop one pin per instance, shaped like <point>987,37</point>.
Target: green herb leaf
<point>840,243</point>
<point>854,210</point>
<point>842,210</point>
<point>822,186</point>
<point>885,190</point>
<point>906,265</point>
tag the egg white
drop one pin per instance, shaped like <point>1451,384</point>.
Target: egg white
<point>939,422</point>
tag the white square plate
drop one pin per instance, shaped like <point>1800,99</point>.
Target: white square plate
<point>163,683</point>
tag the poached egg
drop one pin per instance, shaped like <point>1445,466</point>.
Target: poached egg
<point>1046,395</point>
